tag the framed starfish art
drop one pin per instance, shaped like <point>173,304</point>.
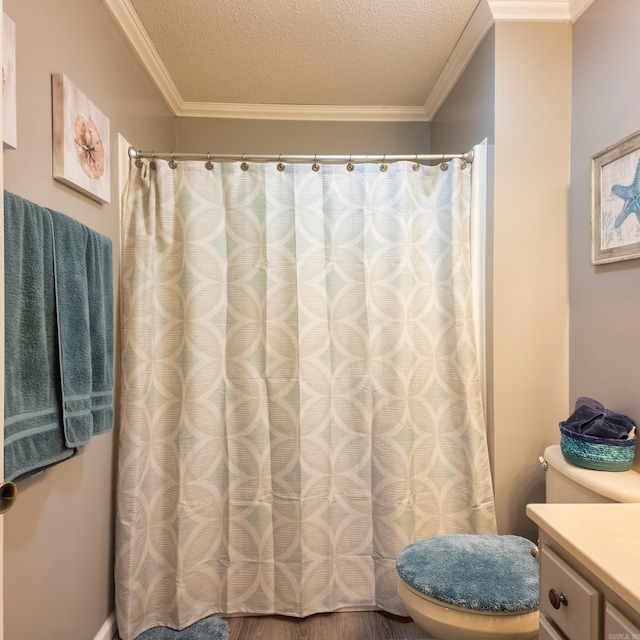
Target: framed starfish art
<point>615,199</point>
<point>80,141</point>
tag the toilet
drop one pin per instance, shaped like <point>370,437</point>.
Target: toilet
<point>435,612</point>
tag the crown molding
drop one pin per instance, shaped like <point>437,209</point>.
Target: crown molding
<point>133,29</point>
<point>486,14</point>
<point>538,10</point>
<point>578,7</point>
<point>127,19</point>
<point>303,112</point>
<point>473,35</point>
<point>530,10</point>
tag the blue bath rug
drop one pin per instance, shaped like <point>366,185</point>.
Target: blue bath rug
<point>211,628</point>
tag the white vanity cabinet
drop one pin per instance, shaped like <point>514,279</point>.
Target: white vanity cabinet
<point>617,626</point>
<point>567,600</point>
<point>589,571</point>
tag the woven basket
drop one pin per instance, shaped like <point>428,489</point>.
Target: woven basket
<point>602,454</point>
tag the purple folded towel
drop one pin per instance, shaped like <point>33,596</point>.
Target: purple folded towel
<point>591,418</point>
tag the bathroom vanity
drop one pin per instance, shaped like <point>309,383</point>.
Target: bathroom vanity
<point>589,571</point>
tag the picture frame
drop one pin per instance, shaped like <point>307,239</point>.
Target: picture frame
<point>615,201</point>
<point>80,141</point>
<point>9,111</point>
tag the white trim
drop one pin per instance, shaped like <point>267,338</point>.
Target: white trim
<point>530,10</point>
<point>108,629</point>
<point>302,112</point>
<point>578,7</point>
<point>538,10</point>
<point>478,26</point>
<point>129,22</point>
<point>123,166</point>
<point>478,232</point>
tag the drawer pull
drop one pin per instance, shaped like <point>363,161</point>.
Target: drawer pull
<point>557,599</point>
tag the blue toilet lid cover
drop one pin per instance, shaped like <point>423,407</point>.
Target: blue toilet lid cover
<point>478,572</point>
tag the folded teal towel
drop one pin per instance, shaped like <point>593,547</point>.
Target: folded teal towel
<point>100,295</point>
<point>84,295</point>
<point>33,439</point>
<point>58,336</point>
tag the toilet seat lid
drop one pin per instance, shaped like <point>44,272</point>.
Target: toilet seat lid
<point>476,572</point>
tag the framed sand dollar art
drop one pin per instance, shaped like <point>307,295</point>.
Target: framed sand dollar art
<point>80,141</point>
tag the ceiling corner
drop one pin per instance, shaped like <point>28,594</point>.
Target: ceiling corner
<point>578,7</point>
<point>486,14</point>
<point>127,19</point>
<point>478,26</point>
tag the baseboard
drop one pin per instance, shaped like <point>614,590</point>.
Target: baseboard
<point>108,629</point>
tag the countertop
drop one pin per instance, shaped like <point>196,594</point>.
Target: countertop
<point>604,538</point>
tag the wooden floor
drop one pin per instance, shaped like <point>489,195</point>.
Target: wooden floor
<point>352,625</point>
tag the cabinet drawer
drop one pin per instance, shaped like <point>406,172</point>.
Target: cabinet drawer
<point>547,631</point>
<point>618,626</point>
<point>578,604</point>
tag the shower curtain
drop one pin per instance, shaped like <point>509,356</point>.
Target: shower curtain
<point>300,389</point>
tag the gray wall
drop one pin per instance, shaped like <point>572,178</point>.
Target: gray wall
<point>467,116</point>
<point>516,93</point>
<point>58,549</point>
<point>196,135</point>
<point>605,303</point>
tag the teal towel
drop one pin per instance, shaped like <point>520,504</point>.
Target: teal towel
<point>33,439</point>
<point>100,295</point>
<point>58,336</point>
<point>84,295</point>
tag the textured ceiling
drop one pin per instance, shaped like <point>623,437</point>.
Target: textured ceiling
<point>305,52</point>
<point>306,59</point>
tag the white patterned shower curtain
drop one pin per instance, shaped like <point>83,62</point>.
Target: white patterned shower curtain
<point>300,387</point>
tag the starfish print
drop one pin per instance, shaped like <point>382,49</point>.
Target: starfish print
<point>631,197</point>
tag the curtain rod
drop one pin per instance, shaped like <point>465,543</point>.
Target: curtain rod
<point>327,159</point>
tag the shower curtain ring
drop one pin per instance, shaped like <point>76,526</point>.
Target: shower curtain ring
<point>208,164</point>
<point>280,165</point>
<point>244,166</point>
<point>315,166</point>
<point>444,165</point>
<point>416,164</point>
<point>350,165</point>
<point>384,166</point>
<point>152,163</point>
<point>138,160</point>
<point>172,163</point>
